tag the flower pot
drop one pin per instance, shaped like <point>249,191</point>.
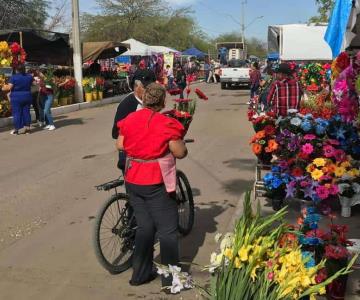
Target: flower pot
<point>71,99</point>
<point>347,203</point>
<point>100,95</point>
<point>88,97</point>
<point>265,158</point>
<point>63,101</point>
<point>337,289</point>
<point>94,96</point>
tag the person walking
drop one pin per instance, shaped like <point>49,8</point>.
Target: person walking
<point>19,87</point>
<point>285,93</point>
<point>170,77</point>
<point>181,80</point>
<point>148,137</point>
<point>212,72</point>
<point>132,103</point>
<point>47,92</point>
<point>255,77</point>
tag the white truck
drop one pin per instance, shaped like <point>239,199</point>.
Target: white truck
<point>237,72</point>
<point>299,42</point>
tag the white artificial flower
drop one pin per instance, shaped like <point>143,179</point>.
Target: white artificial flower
<point>218,237</point>
<point>162,271</point>
<point>227,241</point>
<point>174,269</point>
<point>295,121</point>
<point>177,285</point>
<point>189,283</point>
<point>278,121</point>
<point>292,111</point>
<point>213,258</point>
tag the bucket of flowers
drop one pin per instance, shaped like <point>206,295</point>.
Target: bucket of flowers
<point>88,84</point>
<point>100,85</point>
<point>184,109</point>
<point>329,243</point>
<point>263,144</point>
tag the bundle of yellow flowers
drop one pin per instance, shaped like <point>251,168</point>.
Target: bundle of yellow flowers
<point>5,54</point>
<point>261,260</point>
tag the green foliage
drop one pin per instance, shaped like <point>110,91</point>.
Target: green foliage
<point>324,10</point>
<point>17,14</point>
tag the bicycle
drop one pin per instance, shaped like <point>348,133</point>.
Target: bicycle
<point>115,225</point>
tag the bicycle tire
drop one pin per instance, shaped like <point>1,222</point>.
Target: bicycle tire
<point>183,182</point>
<point>110,267</point>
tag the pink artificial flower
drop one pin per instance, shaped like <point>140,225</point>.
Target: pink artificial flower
<point>339,155</point>
<point>307,148</point>
<point>322,192</point>
<point>333,142</point>
<point>333,190</point>
<point>329,151</point>
<point>309,137</point>
<point>304,183</point>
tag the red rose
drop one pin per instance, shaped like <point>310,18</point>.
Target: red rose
<point>297,172</point>
<point>270,130</point>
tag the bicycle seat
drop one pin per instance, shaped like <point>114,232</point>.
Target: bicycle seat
<point>110,185</point>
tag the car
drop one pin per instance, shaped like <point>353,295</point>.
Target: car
<point>237,72</point>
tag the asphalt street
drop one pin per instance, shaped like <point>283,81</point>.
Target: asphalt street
<point>48,201</point>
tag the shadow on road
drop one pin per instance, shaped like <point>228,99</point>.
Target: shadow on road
<point>205,223</point>
<point>240,164</point>
<point>237,186</point>
<point>69,122</point>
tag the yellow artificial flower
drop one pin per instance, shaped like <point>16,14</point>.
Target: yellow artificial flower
<point>237,263</point>
<point>317,174</point>
<point>319,162</point>
<point>353,173</point>
<point>322,291</point>
<point>253,272</point>
<point>244,253</point>
<point>345,164</point>
<point>340,171</point>
<point>228,253</point>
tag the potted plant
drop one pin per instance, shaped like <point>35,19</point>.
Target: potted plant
<point>88,88</point>
<point>100,83</point>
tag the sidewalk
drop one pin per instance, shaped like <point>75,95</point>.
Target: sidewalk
<point>57,111</point>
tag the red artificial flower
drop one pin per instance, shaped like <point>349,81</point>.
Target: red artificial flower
<point>179,100</point>
<point>335,252</point>
<point>174,92</point>
<point>321,276</point>
<point>201,95</point>
<point>271,114</point>
<point>318,233</point>
<point>297,172</point>
<point>182,114</point>
<point>15,48</point>
<point>343,61</point>
<point>270,130</point>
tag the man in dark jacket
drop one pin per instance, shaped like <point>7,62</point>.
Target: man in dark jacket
<point>132,103</point>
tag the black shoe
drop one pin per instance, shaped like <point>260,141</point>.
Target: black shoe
<point>151,278</point>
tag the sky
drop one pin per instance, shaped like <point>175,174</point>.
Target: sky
<point>216,17</point>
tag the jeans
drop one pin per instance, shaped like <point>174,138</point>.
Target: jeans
<point>20,106</point>
<point>254,90</point>
<point>48,101</point>
<point>154,212</point>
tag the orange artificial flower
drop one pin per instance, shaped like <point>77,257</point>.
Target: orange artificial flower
<point>256,148</point>
<point>273,145</point>
<point>260,134</point>
<point>331,168</point>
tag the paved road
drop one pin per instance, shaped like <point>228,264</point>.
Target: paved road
<point>47,200</point>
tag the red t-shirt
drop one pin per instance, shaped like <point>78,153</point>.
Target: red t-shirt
<point>146,136</point>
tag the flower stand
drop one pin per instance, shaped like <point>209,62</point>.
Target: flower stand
<point>347,203</point>
<point>259,187</point>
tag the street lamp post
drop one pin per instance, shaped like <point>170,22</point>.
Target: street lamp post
<point>77,52</point>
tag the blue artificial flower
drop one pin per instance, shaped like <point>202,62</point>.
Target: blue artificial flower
<point>312,218</point>
<point>310,210</point>
<point>276,169</point>
<point>268,178</point>
<point>308,257</point>
<point>306,126</point>
<point>311,241</point>
<point>277,182</point>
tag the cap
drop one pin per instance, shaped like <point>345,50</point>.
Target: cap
<point>284,68</point>
<point>144,76</point>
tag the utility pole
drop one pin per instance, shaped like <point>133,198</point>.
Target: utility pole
<point>243,3</point>
<point>77,51</point>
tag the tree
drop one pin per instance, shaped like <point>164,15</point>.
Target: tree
<point>17,14</point>
<point>59,19</point>
<point>324,9</point>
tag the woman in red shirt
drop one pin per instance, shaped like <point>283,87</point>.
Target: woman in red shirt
<point>148,137</point>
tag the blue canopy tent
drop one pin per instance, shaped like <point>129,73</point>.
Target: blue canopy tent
<point>194,52</point>
<point>273,56</point>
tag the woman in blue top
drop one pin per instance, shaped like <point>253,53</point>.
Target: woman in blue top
<point>19,87</point>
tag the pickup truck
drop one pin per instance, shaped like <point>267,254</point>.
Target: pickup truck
<point>236,73</point>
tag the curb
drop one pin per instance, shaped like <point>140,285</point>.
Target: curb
<point>237,213</point>
<point>57,111</point>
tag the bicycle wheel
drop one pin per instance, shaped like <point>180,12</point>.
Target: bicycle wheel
<point>114,234</point>
<point>185,200</point>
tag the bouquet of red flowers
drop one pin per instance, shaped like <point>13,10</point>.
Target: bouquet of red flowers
<point>18,54</point>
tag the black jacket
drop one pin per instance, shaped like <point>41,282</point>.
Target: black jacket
<point>126,107</point>
<point>129,105</point>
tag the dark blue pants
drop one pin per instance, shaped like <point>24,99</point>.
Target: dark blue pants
<point>20,107</point>
<point>155,211</point>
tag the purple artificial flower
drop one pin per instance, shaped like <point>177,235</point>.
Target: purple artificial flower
<point>290,189</point>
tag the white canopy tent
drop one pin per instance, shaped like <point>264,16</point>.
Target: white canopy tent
<point>138,48</point>
<point>163,49</point>
<point>352,36</point>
